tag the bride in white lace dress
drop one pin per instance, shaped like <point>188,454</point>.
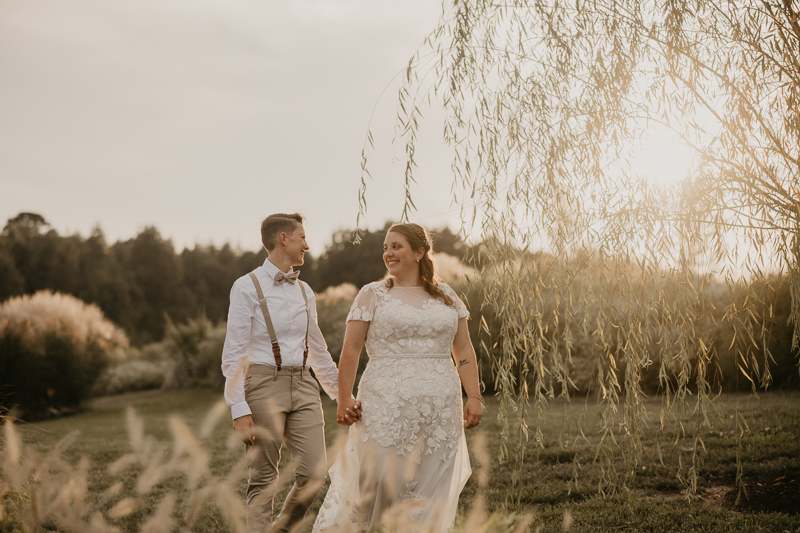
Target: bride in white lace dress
<point>405,461</point>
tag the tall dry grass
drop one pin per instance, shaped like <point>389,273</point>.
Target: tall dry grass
<point>47,491</point>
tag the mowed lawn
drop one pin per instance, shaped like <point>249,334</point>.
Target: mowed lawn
<point>557,484</point>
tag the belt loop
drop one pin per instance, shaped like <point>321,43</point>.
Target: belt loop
<point>275,374</point>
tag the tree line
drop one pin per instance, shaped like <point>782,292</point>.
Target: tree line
<point>144,283</point>
<point>145,286</point>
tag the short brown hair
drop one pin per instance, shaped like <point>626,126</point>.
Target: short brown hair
<point>274,225</point>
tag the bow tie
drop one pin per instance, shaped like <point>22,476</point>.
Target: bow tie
<point>291,277</point>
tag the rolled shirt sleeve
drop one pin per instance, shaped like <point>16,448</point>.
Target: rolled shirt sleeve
<point>236,347</point>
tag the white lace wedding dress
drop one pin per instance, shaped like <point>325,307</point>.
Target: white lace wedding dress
<point>406,461</point>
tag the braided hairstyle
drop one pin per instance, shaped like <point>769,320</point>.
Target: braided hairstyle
<point>417,238</point>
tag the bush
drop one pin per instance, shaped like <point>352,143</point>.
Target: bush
<point>132,375</point>
<point>195,352</point>
<point>333,304</point>
<point>53,347</point>
<point>189,356</point>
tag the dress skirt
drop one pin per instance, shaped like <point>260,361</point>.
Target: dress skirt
<point>405,462</point>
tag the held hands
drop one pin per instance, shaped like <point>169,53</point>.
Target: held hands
<point>473,412</point>
<point>243,428</point>
<point>348,412</point>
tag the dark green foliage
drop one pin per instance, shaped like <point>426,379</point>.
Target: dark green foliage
<point>210,273</point>
<point>765,302</point>
<point>143,282</point>
<point>345,262</point>
<point>11,281</point>
<point>359,264</point>
<point>101,279</point>
<point>155,274</point>
<point>136,283</point>
<point>333,305</point>
<point>195,349</point>
<point>774,329</point>
<point>447,242</point>
<point>50,381</point>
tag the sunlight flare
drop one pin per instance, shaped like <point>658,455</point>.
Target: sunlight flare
<point>662,160</point>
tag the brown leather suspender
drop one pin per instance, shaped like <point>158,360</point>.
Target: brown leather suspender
<point>308,323</point>
<point>276,349</point>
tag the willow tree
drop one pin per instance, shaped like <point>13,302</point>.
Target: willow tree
<point>546,105</point>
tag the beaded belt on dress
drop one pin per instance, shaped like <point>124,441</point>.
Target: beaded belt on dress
<point>410,356</point>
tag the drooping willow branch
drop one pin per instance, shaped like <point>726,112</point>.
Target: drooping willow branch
<point>583,262</point>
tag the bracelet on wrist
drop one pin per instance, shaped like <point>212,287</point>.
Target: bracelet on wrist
<point>477,398</point>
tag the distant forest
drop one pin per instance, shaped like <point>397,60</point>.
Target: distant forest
<point>144,282</point>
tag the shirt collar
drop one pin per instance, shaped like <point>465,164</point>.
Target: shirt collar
<point>272,270</point>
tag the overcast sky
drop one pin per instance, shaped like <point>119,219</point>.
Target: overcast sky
<point>202,116</point>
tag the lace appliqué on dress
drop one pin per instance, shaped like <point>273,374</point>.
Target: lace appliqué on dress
<point>411,415</point>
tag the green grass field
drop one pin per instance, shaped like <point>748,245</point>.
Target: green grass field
<point>546,487</point>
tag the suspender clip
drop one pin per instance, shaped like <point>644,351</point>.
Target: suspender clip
<point>276,351</point>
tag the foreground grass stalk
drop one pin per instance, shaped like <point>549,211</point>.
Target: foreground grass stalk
<point>148,471</point>
<point>56,492</point>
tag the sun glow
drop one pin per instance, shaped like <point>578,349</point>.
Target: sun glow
<point>662,160</point>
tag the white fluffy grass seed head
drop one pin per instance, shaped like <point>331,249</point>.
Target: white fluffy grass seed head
<point>31,317</point>
<point>452,271</point>
<point>346,292</point>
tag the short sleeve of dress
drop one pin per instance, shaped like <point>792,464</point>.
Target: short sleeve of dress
<point>460,307</point>
<point>363,306</point>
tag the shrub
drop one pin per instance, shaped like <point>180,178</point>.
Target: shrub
<point>195,352</point>
<point>53,347</point>
<point>189,356</point>
<point>133,374</point>
<point>333,304</point>
<point>209,359</point>
<point>147,368</point>
<point>452,271</point>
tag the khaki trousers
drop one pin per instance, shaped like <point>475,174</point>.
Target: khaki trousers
<point>286,408</point>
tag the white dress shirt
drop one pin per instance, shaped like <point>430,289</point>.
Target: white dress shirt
<point>248,337</point>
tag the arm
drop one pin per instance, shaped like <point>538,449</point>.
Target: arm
<point>467,366</point>
<point>354,337</point>
<point>234,359</point>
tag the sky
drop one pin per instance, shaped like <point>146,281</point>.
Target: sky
<point>200,117</point>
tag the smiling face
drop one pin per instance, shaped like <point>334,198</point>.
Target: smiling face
<point>295,244</point>
<point>399,258</point>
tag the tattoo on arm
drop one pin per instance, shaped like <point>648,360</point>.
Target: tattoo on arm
<point>462,363</point>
